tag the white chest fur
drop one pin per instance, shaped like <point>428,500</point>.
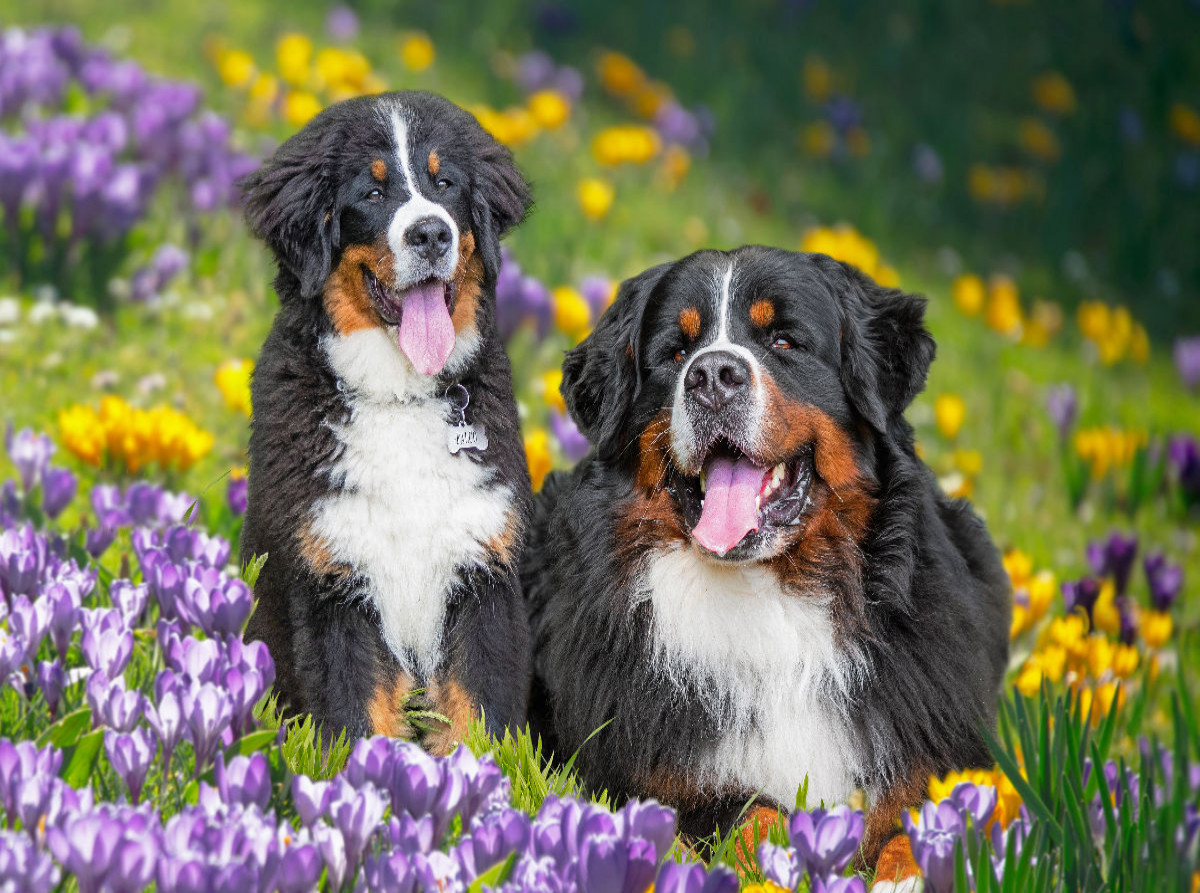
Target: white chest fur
<point>770,658</point>
<point>406,514</point>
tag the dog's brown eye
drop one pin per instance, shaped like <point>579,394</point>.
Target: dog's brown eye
<point>375,195</point>
<point>443,183</point>
<point>680,355</point>
<point>782,343</point>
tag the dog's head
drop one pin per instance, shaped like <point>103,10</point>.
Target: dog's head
<point>744,389</point>
<point>389,211</point>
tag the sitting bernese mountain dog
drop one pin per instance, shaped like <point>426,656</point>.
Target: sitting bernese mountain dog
<point>752,579</point>
<point>388,486</point>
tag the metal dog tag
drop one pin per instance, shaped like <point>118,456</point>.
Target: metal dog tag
<point>464,436</point>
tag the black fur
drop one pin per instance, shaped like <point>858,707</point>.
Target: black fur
<point>928,607</point>
<point>304,203</point>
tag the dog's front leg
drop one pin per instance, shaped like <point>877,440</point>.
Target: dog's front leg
<point>349,677</point>
<point>486,663</point>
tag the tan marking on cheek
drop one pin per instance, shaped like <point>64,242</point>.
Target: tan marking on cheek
<point>452,701</point>
<point>386,708</point>
<point>649,518</point>
<point>791,425</point>
<point>379,169</point>
<point>689,323</point>
<point>347,303</point>
<point>468,285</point>
<point>507,545</point>
<point>762,313</point>
<point>435,164</point>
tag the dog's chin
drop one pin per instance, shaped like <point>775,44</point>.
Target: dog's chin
<point>781,500</point>
<point>389,300</point>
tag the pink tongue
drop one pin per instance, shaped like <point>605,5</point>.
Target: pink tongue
<point>729,512</point>
<point>426,332</point>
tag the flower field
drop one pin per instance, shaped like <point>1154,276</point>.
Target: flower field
<point>1045,207</point>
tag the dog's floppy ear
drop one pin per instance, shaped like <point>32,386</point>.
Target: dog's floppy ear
<point>886,349</point>
<point>600,376</point>
<point>291,202</point>
<point>500,199</point>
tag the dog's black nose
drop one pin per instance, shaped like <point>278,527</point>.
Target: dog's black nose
<point>717,378</point>
<point>430,237</point>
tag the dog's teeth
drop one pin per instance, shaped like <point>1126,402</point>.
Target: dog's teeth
<point>703,481</point>
<point>758,503</point>
<point>777,474</point>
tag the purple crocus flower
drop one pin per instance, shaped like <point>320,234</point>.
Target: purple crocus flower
<point>416,780</point>
<point>63,602</point>
<point>130,754</point>
<point>825,841</point>
<point>778,865</point>
<point>357,814</point>
<point>207,711</point>
<point>107,644</point>
<point>370,762</point>
<point>246,780</point>
<point>341,23</point>
<point>389,871</point>
<point>1081,594</point>
<point>237,494</point>
<point>112,704</point>
<point>51,679</point>
<point>934,837</point>
<point>29,622</point>
<point>1187,361</point>
<point>978,802</point>
<point>1063,406</point>
<point>332,847</point>
<point>574,445</point>
<point>311,798</point>
<point>836,884</point>
<point>1114,557</point>
<point>165,717</point>
<point>58,489</point>
<point>689,877</point>
<point>299,868</point>
<point>134,865</point>
<point>217,604</point>
<point>30,453</point>
<point>23,867</point>
<point>129,599</point>
<point>84,844</point>
<point>1184,454</point>
<point>492,840</point>
<point>1165,579</point>
<point>96,540</point>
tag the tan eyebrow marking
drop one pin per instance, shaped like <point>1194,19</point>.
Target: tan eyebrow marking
<point>762,312</point>
<point>689,322</point>
<point>379,169</point>
<point>435,164</point>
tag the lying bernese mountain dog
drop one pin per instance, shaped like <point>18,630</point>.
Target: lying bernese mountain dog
<point>388,486</point>
<point>752,579</point>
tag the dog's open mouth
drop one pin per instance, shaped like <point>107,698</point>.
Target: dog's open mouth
<point>736,504</point>
<point>422,314</point>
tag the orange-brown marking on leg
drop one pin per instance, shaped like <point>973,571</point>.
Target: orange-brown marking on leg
<point>674,787</point>
<point>468,285</point>
<point>379,169</point>
<point>435,164</point>
<point>386,709</point>
<point>884,846</point>
<point>450,699</point>
<point>689,322</point>
<point>762,313</point>
<point>756,825</point>
<point>349,306</point>
<point>506,546</point>
<point>317,553</point>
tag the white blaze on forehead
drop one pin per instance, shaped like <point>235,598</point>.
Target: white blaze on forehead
<point>682,430</point>
<point>410,268</point>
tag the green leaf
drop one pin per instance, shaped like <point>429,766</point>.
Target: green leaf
<point>81,759</point>
<point>253,568</point>
<point>494,876</point>
<point>68,730</point>
<point>1031,797</point>
<point>254,742</point>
